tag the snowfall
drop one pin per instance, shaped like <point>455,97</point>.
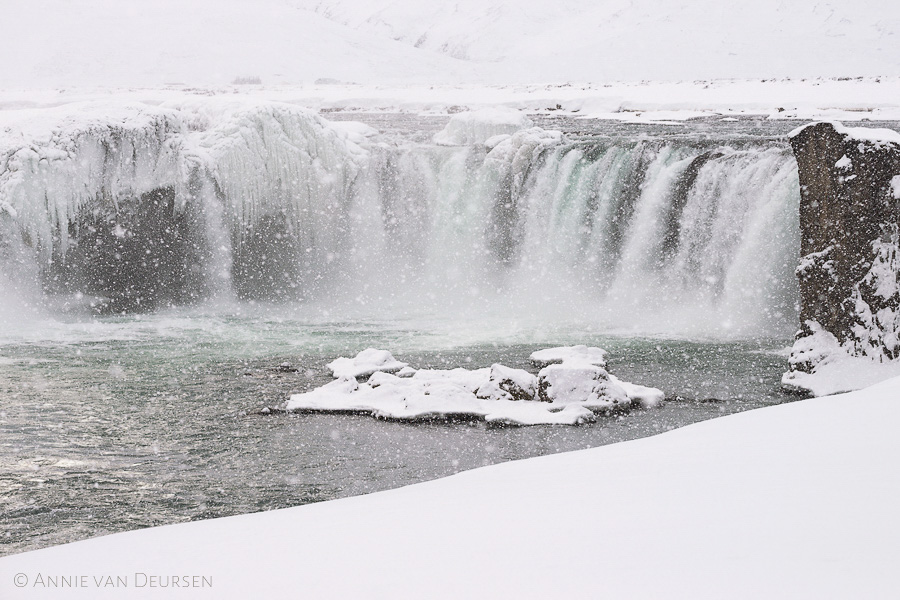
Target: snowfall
<point>791,501</point>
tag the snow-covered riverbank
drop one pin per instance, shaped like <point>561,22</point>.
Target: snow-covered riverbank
<point>792,501</point>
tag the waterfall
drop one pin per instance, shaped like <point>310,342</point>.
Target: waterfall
<point>273,203</point>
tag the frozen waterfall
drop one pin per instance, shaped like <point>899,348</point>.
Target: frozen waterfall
<point>134,207</point>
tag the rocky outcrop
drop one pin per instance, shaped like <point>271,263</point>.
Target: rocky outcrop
<point>849,216</point>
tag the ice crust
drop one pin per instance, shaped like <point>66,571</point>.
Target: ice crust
<point>482,126</point>
<point>568,393</point>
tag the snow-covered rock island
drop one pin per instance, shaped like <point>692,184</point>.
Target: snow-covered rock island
<point>571,389</point>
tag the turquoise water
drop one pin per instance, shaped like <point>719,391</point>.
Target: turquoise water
<point>117,423</point>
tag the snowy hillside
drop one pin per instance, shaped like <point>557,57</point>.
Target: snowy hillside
<point>110,43</point>
<point>642,39</point>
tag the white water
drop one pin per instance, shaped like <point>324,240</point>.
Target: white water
<point>536,231</point>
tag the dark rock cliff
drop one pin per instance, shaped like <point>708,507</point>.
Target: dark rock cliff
<point>849,215</point>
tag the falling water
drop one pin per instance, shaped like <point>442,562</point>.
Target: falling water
<point>684,236</point>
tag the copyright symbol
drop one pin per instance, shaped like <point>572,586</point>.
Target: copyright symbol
<point>21,580</point>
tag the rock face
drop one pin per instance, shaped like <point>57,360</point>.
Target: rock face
<point>849,215</point>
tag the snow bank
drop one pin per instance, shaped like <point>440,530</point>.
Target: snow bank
<point>560,394</point>
<point>790,501</point>
<point>477,127</point>
<point>821,366</point>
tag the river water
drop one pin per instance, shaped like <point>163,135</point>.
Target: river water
<point>129,422</point>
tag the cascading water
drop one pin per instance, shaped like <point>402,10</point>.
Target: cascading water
<point>272,203</point>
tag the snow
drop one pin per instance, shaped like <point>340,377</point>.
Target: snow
<point>844,163</point>
<point>588,354</point>
<point>637,39</point>
<point>365,363</point>
<point>421,398</point>
<point>828,368</point>
<point>895,187</point>
<point>202,42</point>
<point>561,394</point>
<point>570,382</point>
<point>477,127</point>
<point>873,98</point>
<point>789,501</point>
<point>648,397</point>
<point>877,135</point>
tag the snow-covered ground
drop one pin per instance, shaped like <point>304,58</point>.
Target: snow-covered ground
<point>871,98</point>
<point>822,366</point>
<point>792,501</point>
<point>108,43</point>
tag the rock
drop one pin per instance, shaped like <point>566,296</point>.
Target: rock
<point>575,381</point>
<point>849,216</point>
<point>506,383</point>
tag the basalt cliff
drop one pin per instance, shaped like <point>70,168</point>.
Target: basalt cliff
<point>849,269</point>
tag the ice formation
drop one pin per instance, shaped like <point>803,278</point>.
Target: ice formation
<point>568,393</point>
<point>479,126</point>
<point>265,200</point>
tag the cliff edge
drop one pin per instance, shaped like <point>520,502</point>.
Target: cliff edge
<point>849,272</point>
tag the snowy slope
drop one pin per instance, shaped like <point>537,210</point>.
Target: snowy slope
<point>792,501</point>
<point>114,43</point>
<point>641,39</point>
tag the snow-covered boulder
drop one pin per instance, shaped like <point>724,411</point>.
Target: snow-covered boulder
<point>364,364</point>
<point>574,381</point>
<point>478,126</point>
<point>549,356</point>
<point>506,383</point>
